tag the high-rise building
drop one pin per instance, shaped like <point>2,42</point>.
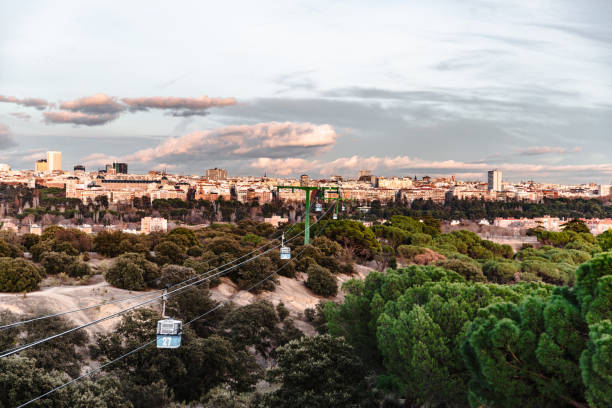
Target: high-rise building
<point>216,174</point>
<point>109,169</point>
<point>41,166</point>
<point>120,168</point>
<point>495,180</point>
<point>54,161</point>
<point>304,180</point>
<point>605,190</point>
<point>364,173</point>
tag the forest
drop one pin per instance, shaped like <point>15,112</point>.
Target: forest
<point>443,320</point>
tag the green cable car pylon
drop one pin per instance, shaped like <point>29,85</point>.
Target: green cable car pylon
<point>308,190</point>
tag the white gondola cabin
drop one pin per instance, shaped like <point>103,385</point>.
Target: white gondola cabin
<point>285,253</point>
<point>318,207</point>
<point>335,216</point>
<point>169,333</point>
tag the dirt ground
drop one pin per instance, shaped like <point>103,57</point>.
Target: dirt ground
<point>53,299</point>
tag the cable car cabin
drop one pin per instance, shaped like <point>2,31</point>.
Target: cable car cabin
<point>343,208</point>
<point>169,333</point>
<point>318,207</point>
<point>285,252</point>
<point>335,216</point>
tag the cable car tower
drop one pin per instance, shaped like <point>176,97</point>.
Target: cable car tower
<point>168,330</point>
<point>308,190</point>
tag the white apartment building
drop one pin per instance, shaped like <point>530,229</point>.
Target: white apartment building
<point>151,224</point>
<point>54,161</point>
<point>395,182</point>
<point>275,220</point>
<point>605,190</point>
<point>495,180</point>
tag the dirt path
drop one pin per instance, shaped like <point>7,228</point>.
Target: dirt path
<point>292,292</point>
<point>62,298</point>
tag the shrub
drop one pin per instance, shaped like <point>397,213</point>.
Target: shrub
<point>201,268</point>
<point>38,250</point>
<point>420,239</point>
<point>250,239</point>
<point>9,250</point>
<point>29,240</point>
<point>327,246</point>
<point>288,267</point>
<point>131,271</point>
<point>111,243</point>
<point>409,251</point>
<point>18,275</point>
<point>167,252</point>
<point>468,270</point>
<point>256,272</point>
<point>56,262</point>
<point>347,269</point>
<point>64,247</point>
<point>428,257</point>
<point>173,274</point>
<point>303,263</point>
<point>500,272</point>
<point>183,237</point>
<point>480,252</point>
<point>282,311</point>
<point>321,281</point>
<point>77,239</point>
<point>195,251</point>
<point>330,263</point>
<point>547,271</point>
<point>78,269</point>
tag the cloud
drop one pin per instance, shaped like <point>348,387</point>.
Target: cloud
<point>179,106</point>
<point>100,108</point>
<point>295,81</point>
<point>33,156</point>
<point>588,33</point>
<point>37,103</point>
<point>97,104</point>
<point>79,118</point>
<point>21,115</point>
<point>188,113</point>
<point>164,167</point>
<point>95,110</point>
<point>97,159</point>
<point>405,165</point>
<point>6,137</point>
<point>271,139</point>
<point>541,150</point>
<point>284,167</point>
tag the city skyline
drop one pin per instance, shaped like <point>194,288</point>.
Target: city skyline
<point>439,90</point>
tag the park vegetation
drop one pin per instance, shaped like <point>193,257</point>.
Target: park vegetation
<point>444,320</point>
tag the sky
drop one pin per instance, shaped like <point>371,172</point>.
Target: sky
<point>402,88</point>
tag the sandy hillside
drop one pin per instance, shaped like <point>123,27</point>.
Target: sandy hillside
<point>292,292</point>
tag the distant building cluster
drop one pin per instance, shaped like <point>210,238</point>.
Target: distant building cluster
<point>117,185</point>
<point>595,225</point>
<point>147,226</point>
